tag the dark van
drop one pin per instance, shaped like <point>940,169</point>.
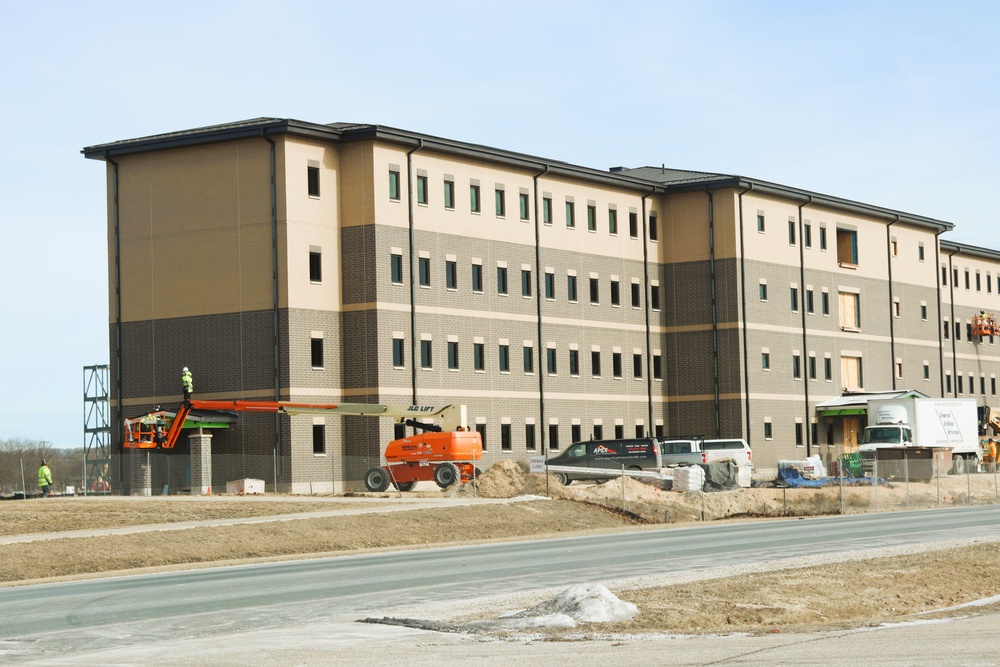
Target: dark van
<point>604,455</point>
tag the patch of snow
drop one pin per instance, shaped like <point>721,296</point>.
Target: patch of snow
<point>583,603</point>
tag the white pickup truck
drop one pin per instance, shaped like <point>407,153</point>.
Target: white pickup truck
<point>690,451</point>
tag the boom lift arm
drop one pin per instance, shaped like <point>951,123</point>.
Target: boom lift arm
<point>151,431</point>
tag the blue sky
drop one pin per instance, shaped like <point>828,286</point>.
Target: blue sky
<point>888,103</point>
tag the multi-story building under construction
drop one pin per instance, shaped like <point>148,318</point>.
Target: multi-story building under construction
<point>287,260</point>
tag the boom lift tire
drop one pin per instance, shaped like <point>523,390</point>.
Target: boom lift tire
<point>404,486</point>
<point>377,479</point>
<point>446,474</point>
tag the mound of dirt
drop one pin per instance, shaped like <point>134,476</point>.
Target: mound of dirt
<point>509,479</point>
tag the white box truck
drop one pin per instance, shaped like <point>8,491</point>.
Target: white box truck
<point>929,423</point>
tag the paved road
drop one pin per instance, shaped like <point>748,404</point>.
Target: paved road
<point>159,617</point>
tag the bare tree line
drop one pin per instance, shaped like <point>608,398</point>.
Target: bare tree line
<point>66,466</point>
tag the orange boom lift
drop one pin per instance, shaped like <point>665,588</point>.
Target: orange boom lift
<point>442,453</point>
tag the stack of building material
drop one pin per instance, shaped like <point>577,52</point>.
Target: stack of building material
<point>689,478</point>
<point>246,487</point>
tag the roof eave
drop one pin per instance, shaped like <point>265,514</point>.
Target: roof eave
<point>806,197</point>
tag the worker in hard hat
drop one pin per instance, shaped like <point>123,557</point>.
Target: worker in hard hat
<point>45,479</point>
<point>187,383</point>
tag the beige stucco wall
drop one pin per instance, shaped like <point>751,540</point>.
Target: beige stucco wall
<point>194,230</point>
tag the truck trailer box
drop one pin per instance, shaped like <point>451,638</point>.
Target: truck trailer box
<point>934,422</point>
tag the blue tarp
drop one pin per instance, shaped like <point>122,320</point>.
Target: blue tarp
<point>793,477</point>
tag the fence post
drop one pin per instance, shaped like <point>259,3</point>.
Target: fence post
<point>840,473</point>
<point>906,473</point>
<point>623,488</point>
<point>968,480</point>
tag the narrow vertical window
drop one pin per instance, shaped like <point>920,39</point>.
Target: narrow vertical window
<point>636,295</point>
<point>313,181</point>
<point>765,361</point>
<point>637,366</point>
<point>501,279</point>
<point>524,206</point>
<point>822,238</point>
<point>398,360</point>
<point>315,267</point>
<point>550,360</point>
<point>452,355</point>
<point>574,363</point>
<point>424,270</point>
<point>421,189</point>
<point>477,277</point>
<point>657,367</point>
<point>319,438</point>
<point>394,185</point>
<point>505,437</point>
<point>595,291</point>
<point>529,359</point>
<point>616,365</point>
<point>479,356</point>
<point>615,293</point>
<point>571,288</point>
<point>570,214</point>
<point>760,222</point>
<point>501,203</point>
<point>451,274</point>
<point>474,203</point>
<point>613,222</point>
<point>633,224</point>
<point>807,235</point>
<point>525,283</point>
<point>449,194</point>
<point>426,358</point>
<point>503,361</point>
<point>654,232</point>
<point>654,297</point>
<point>591,218</point>
<point>396,268</point>
<point>529,436</point>
<point>791,232</point>
<point>481,430</point>
<point>595,363</point>
<point>316,352</point>
<point>550,285</point>
<point>547,210</point>
<point>554,436</point>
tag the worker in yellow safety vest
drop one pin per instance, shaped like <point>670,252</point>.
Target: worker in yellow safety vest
<point>45,479</point>
<point>187,383</point>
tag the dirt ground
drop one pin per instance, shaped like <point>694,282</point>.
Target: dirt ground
<point>837,595</point>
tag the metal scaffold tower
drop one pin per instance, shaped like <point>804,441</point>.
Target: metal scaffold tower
<point>96,428</point>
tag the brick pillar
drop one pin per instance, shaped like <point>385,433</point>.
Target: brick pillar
<point>141,473</point>
<point>201,464</point>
